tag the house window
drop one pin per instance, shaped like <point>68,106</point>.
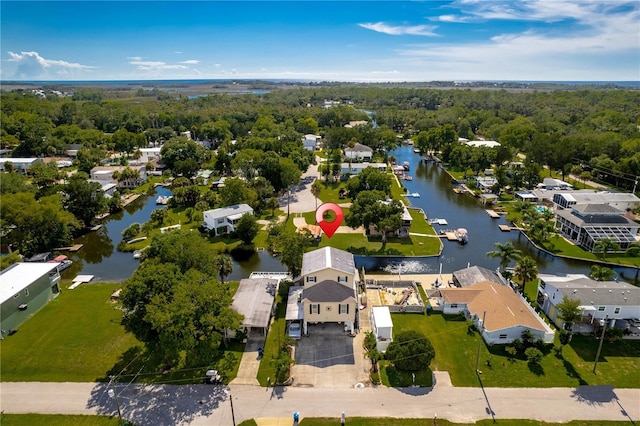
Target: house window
<point>503,336</point>
<point>26,292</point>
<point>314,308</point>
<point>342,279</point>
<point>601,308</point>
<point>311,279</point>
<point>343,309</point>
<point>616,310</point>
<point>454,305</point>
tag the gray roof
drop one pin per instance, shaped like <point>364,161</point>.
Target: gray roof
<point>358,147</point>
<point>328,257</point>
<point>254,299</point>
<point>476,274</point>
<point>596,208</point>
<point>597,219</point>
<point>295,310</point>
<point>591,292</point>
<point>328,291</point>
<point>229,211</point>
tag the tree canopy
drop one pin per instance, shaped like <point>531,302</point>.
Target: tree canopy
<point>410,351</point>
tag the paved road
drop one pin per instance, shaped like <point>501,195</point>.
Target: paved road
<point>203,404</point>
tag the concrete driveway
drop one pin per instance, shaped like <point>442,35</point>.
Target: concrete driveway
<point>328,357</point>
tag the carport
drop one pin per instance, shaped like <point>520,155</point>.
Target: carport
<point>255,299</point>
<point>295,309</point>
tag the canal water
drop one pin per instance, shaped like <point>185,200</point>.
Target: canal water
<point>100,258</point>
<point>438,200</point>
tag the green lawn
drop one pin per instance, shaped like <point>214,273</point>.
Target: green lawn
<point>329,192</point>
<point>373,246</point>
<point>456,352</point>
<point>56,420</point>
<point>419,224</point>
<point>277,336</point>
<point>366,421</point>
<point>398,191</point>
<point>562,247</point>
<point>78,338</point>
<point>390,376</point>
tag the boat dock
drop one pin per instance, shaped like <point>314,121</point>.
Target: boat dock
<point>492,214</point>
<point>449,234</point>
<point>507,228</point>
<point>73,248</point>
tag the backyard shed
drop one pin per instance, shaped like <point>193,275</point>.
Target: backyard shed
<point>382,327</point>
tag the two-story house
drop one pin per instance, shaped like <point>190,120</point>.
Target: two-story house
<point>224,220</point>
<point>598,299</point>
<point>329,277</point>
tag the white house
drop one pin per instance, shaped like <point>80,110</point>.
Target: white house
<point>359,152</point>
<point>486,183</point>
<point>19,164</point>
<point>224,220</point>
<point>551,183</point>
<point>311,142</point>
<point>381,327</point>
<point>104,175</point>
<point>618,200</point>
<point>149,155</point>
<point>598,299</point>
<point>506,314</point>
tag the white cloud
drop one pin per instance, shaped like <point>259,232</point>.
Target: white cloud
<point>134,58</point>
<point>453,18</point>
<point>156,65</point>
<point>381,27</point>
<point>32,65</point>
<point>190,62</point>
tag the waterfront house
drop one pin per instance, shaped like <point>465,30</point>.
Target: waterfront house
<point>551,184</point>
<point>104,175</point>
<point>224,220</point>
<point>255,300</point>
<point>311,142</point>
<point>359,152</point>
<point>329,277</point>
<point>505,312</point>
<point>598,299</point>
<point>619,200</point>
<point>24,289</point>
<point>585,224</point>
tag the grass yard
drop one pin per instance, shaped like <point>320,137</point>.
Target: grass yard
<point>56,420</point>
<point>77,337</point>
<point>419,224</point>
<point>390,376</point>
<point>456,352</point>
<point>366,421</point>
<point>277,335</point>
<point>329,192</point>
<point>373,246</point>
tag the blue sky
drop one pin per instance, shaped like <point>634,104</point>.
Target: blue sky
<point>341,41</point>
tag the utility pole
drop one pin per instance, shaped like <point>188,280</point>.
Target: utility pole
<point>233,415</point>
<point>112,393</point>
<point>484,314</point>
<point>604,327</point>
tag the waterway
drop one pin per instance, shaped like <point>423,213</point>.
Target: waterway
<point>438,200</point>
<point>99,257</point>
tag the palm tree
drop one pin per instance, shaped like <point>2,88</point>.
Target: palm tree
<point>506,252</point>
<point>601,273</point>
<point>224,265</point>
<point>315,190</point>
<point>604,245</point>
<point>526,269</point>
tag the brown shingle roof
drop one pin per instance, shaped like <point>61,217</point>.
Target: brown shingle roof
<point>502,305</point>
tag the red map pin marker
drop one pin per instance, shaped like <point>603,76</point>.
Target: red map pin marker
<point>329,227</point>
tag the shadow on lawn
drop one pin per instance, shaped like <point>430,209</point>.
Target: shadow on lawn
<point>157,404</point>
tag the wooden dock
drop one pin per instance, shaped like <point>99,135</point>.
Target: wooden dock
<point>492,214</point>
<point>507,228</point>
<point>73,248</point>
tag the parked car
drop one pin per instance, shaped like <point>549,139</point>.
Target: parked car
<point>295,330</point>
<point>212,378</point>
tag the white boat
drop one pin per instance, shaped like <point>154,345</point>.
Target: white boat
<point>64,262</point>
<point>439,221</point>
<point>137,254</point>
<point>163,199</point>
<point>406,166</point>
<point>413,194</point>
<point>462,235</point>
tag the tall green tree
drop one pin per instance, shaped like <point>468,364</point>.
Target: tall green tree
<point>601,273</point>
<point>569,312</point>
<point>526,270</point>
<point>185,249</point>
<point>604,246</point>
<point>247,228</point>
<point>506,253</point>
<point>223,265</point>
<point>410,351</point>
<point>84,199</point>
<point>291,245</point>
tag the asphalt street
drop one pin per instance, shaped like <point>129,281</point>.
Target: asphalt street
<point>205,404</point>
